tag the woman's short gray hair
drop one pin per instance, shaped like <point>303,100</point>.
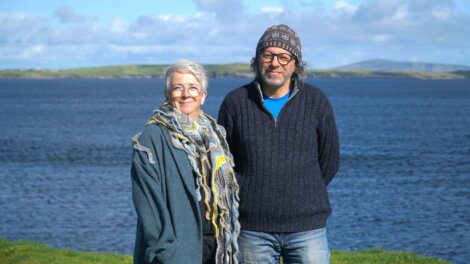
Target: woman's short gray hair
<point>185,66</point>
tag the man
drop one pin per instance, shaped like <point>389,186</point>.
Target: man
<point>283,136</point>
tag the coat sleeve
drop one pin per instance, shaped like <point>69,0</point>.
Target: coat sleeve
<point>154,231</point>
<point>328,144</point>
<point>225,119</point>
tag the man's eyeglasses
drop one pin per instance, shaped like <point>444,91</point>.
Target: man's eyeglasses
<point>178,91</point>
<point>282,58</point>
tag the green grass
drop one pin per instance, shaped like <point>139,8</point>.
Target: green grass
<point>88,72</point>
<point>381,257</point>
<point>28,252</point>
<point>116,71</point>
<point>214,70</point>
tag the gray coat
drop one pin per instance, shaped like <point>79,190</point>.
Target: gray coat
<point>169,228</point>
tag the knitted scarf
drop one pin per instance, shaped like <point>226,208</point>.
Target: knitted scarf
<point>204,143</point>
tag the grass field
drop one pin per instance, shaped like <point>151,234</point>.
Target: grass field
<point>23,252</point>
<point>29,252</point>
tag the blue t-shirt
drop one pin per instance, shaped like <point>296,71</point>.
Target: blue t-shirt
<point>274,105</point>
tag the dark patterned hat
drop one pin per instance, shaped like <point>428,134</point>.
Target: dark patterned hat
<point>280,36</point>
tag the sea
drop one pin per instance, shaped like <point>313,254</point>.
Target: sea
<point>403,185</point>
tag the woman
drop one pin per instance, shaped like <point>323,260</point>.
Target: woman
<point>183,184</point>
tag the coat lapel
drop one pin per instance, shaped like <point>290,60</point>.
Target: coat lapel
<point>182,162</point>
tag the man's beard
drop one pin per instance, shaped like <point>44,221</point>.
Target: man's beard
<point>274,82</point>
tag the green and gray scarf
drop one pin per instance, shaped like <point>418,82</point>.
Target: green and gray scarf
<point>208,152</point>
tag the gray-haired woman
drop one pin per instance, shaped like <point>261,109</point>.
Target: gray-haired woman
<point>183,184</point>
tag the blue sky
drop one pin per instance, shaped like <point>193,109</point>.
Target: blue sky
<point>66,33</point>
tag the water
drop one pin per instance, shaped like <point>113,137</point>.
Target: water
<point>403,184</point>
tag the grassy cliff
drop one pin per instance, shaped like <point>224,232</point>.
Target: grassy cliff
<point>376,74</point>
<point>123,71</point>
<point>214,70</point>
<point>381,65</point>
<point>28,252</point>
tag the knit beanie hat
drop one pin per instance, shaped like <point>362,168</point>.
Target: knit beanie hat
<point>280,36</point>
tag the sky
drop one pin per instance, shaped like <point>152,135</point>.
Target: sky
<point>50,34</point>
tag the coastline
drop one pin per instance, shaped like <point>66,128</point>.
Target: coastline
<point>214,71</point>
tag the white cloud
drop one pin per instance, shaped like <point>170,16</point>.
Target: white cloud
<point>382,38</point>
<point>271,9</point>
<point>442,13</point>
<point>373,11</point>
<point>330,35</point>
<point>139,35</point>
<point>31,52</point>
<point>344,6</point>
<point>19,28</point>
<point>172,18</point>
<point>67,14</point>
<point>429,5</point>
<point>118,25</point>
<point>226,11</point>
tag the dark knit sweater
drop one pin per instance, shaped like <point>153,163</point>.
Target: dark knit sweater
<point>283,166</point>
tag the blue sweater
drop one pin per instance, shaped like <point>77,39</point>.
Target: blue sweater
<point>283,166</point>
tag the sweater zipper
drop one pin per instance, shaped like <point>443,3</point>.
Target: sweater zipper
<point>288,99</point>
<point>265,109</point>
<point>270,114</point>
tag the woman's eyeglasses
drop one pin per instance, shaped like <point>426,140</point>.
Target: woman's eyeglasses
<point>179,90</point>
<point>282,58</point>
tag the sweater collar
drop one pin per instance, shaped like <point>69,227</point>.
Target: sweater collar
<point>296,84</point>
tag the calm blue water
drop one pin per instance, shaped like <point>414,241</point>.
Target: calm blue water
<point>404,182</point>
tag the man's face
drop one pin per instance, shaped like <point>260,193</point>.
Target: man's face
<point>271,71</point>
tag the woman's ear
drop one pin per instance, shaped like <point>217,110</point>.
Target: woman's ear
<point>203,97</point>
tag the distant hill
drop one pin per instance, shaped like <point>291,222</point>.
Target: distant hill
<point>379,65</point>
<point>124,71</point>
<point>237,70</point>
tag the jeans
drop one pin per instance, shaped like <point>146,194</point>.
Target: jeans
<point>299,247</point>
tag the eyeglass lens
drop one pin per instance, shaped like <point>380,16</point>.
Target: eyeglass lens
<point>178,91</point>
<point>282,58</point>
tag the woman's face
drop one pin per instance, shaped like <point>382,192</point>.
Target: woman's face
<point>186,94</point>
